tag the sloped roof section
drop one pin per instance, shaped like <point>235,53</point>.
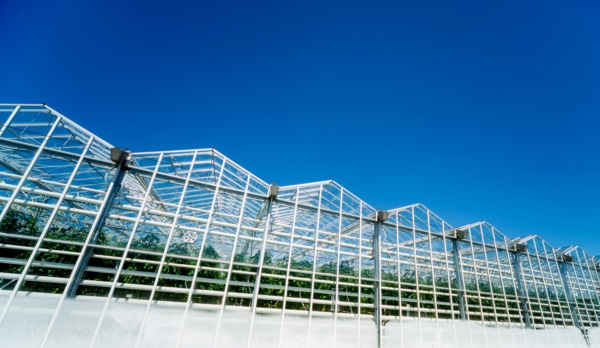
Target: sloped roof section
<point>485,233</point>
<point>420,217</point>
<point>31,123</point>
<point>327,195</point>
<point>208,165</point>
<point>536,245</point>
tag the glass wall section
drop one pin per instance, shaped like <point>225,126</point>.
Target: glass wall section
<point>312,259</point>
<point>490,289</point>
<point>53,187</point>
<point>582,277</point>
<point>544,289</point>
<point>417,265</point>
<point>594,268</point>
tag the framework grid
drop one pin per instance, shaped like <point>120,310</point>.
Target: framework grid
<point>194,231</point>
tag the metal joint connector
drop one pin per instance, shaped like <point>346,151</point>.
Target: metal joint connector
<point>382,216</point>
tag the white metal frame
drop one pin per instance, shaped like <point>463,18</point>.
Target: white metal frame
<point>220,188</point>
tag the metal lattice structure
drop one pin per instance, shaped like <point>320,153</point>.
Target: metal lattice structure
<point>82,220</point>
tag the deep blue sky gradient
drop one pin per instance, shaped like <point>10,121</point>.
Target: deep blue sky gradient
<point>479,110</point>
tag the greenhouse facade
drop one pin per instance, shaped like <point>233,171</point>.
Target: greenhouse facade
<point>101,246</point>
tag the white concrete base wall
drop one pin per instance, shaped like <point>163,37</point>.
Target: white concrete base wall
<point>431,334</point>
<point>28,318</point>
<point>594,335</point>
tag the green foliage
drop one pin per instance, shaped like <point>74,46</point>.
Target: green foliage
<point>19,223</point>
<point>148,242</point>
<point>243,277</point>
<point>413,292</point>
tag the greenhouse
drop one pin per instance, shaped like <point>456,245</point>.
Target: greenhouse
<point>101,246</point>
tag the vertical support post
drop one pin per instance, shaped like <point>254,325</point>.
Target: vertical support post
<point>459,278</point>
<point>521,289</point>
<point>380,218</point>
<point>78,265</point>
<point>314,265</point>
<point>113,189</point>
<point>335,298</point>
<point>289,266</point>
<point>121,262</point>
<point>273,190</point>
<point>566,260</point>
<point>360,257</point>
<point>562,265</point>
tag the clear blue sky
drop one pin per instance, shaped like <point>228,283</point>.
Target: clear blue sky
<point>480,110</point>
